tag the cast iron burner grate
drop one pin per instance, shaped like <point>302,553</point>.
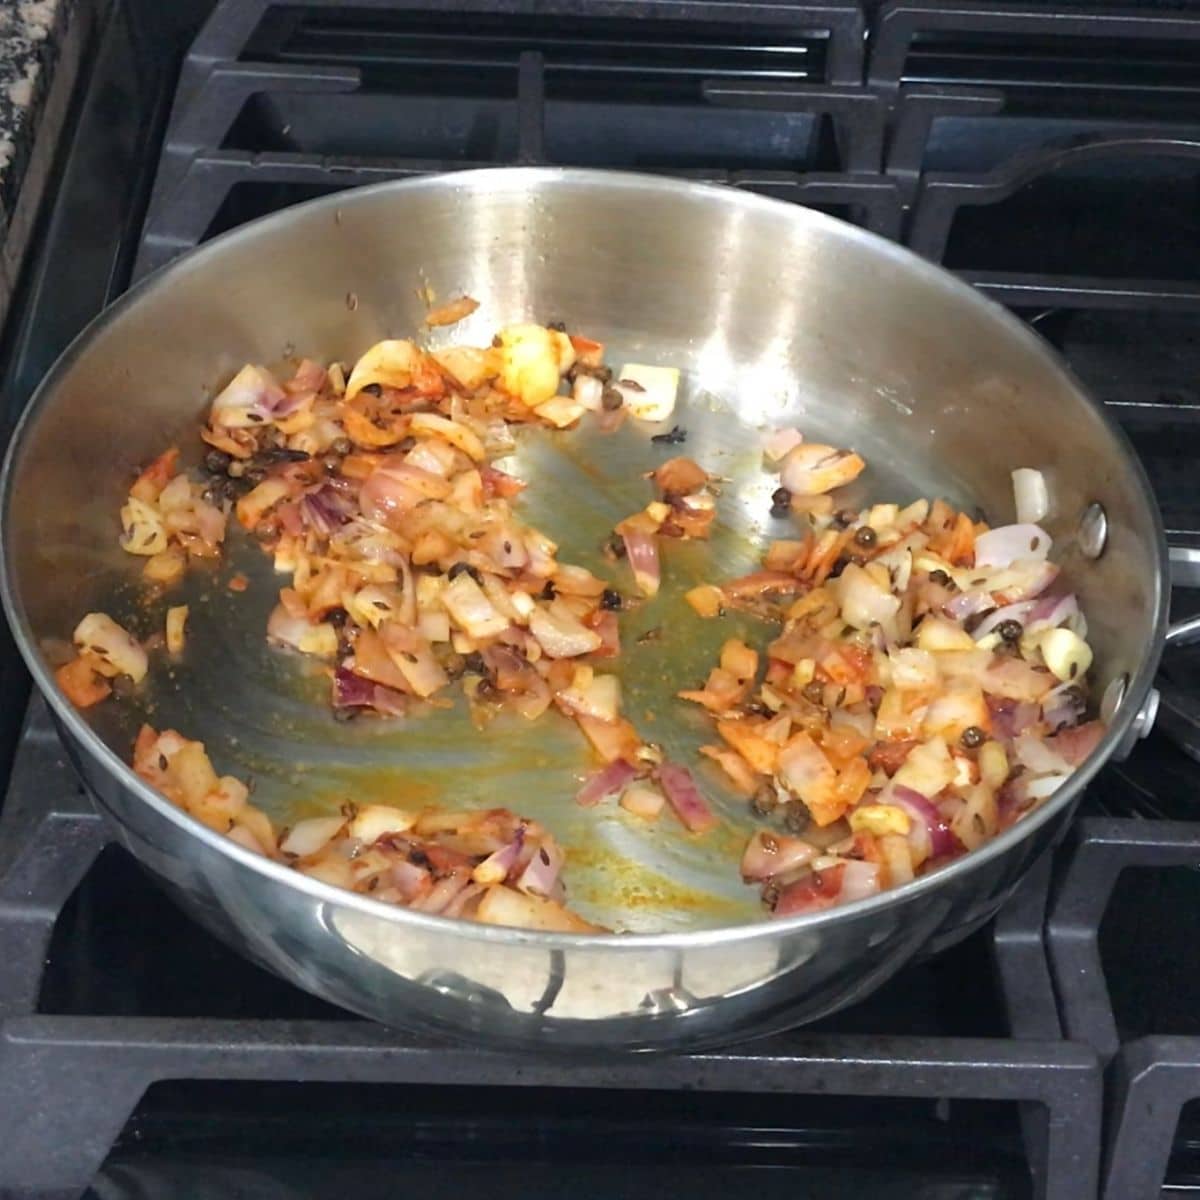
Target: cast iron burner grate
<point>52,838</point>
<point>966,112</point>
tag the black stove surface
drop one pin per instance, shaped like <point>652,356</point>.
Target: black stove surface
<point>142,1056</point>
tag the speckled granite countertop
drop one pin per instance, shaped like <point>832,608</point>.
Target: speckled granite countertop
<point>41,48</point>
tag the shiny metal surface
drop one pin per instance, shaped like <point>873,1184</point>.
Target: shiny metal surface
<point>775,314</point>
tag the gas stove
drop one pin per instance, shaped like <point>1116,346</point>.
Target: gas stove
<point>1050,154</point>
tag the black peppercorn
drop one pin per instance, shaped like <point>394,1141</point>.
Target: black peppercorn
<point>973,737</point>
<point>865,536</point>
<point>217,461</point>
<point>781,501</point>
<point>610,598</point>
<point>1010,630</point>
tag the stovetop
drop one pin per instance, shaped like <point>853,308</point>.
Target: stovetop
<point>1048,153</point>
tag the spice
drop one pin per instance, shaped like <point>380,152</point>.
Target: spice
<point>610,599</point>
<point>973,737</point>
<point>675,437</point>
<point>781,502</point>
<point>1010,630</point>
<point>865,536</point>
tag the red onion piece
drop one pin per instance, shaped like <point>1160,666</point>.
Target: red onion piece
<point>444,892</point>
<point>685,798</point>
<point>942,841</point>
<point>966,604</point>
<point>1063,706</point>
<point>495,868</point>
<point>612,778</point>
<point>540,877</point>
<point>323,510</point>
<point>1010,612</point>
<point>642,551</point>
<point>814,892</point>
<point>356,691</point>
<point>771,854</point>
<point>411,881</point>
<point>1038,756</point>
<point>1010,717</point>
<point>1051,611</point>
<point>859,880</point>
<point>1075,745</point>
<point>1005,545</point>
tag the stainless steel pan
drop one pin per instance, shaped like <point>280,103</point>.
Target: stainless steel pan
<point>775,314</point>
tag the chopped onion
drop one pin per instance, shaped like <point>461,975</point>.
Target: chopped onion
<point>248,400</point>
<point>642,551</point>
<point>1038,756</point>
<point>560,633</point>
<point>540,877</point>
<point>495,868</point>
<point>305,838</point>
<point>1009,543</point>
<point>685,798</point>
<point>1051,611</point>
<point>929,830</point>
<point>859,880</point>
<point>598,697</point>
<point>1009,612</point>
<point>99,635</point>
<point>470,609</point>
<point>649,392</point>
<point>643,801</point>
<point>769,854</point>
<point>605,783</point>
<point>1032,498</point>
<point>864,601</point>
<point>588,391</point>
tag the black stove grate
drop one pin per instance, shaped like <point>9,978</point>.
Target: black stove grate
<point>977,121</point>
<point>1005,1043</point>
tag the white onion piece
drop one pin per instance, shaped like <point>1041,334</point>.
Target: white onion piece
<point>101,636</point>
<point>307,837</point>
<point>1047,785</point>
<point>599,698</point>
<point>1031,496</point>
<point>863,601</point>
<point>588,391</point>
<point>560,633</point>
<point>1005,545</point>
<point>470,609</point>
<point>250,398</point>
<point>652,396</point>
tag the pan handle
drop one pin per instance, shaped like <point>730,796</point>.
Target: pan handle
<point>1183,633</point>
<point>1175,711</point>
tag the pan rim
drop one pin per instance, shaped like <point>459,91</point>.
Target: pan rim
<point>87,741</point>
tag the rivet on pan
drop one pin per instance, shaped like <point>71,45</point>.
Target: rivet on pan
<point>1113,695</point>
<point>1093,530</point>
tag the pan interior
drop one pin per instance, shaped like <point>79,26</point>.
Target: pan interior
<point>263,712</point>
